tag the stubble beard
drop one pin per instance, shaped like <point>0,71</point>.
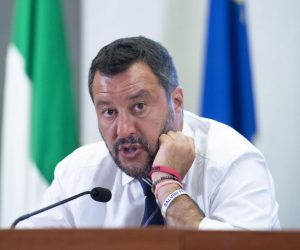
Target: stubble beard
<point>151,150</point>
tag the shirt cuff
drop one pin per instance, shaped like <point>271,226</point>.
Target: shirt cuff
<point>208,224</point>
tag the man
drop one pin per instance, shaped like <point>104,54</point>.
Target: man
<point>204,174</point>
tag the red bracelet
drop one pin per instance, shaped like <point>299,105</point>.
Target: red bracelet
<point>166,170</point>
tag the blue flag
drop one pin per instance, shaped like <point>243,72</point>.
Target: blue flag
<point>227,93</point>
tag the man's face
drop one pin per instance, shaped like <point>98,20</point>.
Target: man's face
<point>133,111</point>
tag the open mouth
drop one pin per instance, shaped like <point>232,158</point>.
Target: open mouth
<point>129,150</point>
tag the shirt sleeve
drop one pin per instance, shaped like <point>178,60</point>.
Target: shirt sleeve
<point>243,198</point>
<point>208,224</point>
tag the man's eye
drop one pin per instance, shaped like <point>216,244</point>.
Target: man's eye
<point>109,112</point>
<point>139,106</point>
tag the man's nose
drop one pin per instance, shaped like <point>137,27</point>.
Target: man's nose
<point>125,126</point>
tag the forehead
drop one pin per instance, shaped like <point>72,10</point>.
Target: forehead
<point>137,78</point>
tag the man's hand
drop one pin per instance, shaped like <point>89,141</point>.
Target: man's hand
<point>176,151</point>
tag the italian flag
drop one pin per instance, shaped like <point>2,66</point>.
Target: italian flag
<point>39,118</point>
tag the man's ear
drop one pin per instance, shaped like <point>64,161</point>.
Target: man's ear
<point>177,100</point>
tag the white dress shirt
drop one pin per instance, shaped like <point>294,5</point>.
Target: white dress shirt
<point>229,180</point>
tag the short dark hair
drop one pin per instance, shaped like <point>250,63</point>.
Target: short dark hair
<point>119,55</point>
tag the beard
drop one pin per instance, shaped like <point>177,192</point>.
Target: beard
<point>143,170</point>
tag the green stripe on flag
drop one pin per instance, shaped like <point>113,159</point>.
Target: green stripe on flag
<point>40,37</point>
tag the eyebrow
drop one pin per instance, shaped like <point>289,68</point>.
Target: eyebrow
<point>102,103</point>
<point>140,93</point>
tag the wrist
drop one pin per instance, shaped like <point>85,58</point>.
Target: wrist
<point>166,170</point>
<point>163,192</point>
<point>157,175</point>
<point>170,199</point>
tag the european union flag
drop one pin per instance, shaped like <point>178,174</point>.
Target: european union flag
<point>227,93</point>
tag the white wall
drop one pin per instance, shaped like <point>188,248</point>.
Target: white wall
<point>180,25</point>
<point>275,38</point>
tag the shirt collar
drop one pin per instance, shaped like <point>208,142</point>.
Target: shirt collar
<point>126,179</point>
